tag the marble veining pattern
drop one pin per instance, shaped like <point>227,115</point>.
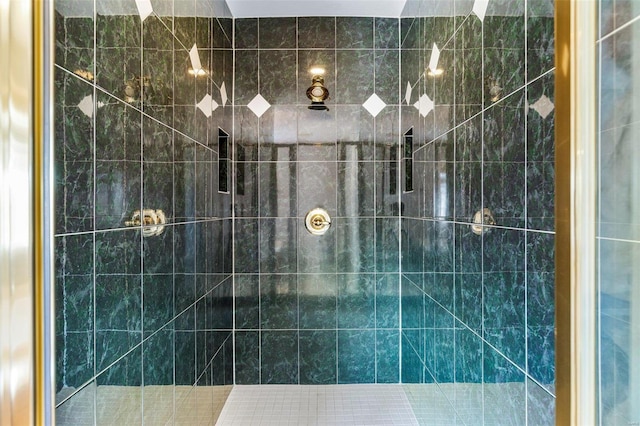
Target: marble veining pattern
<point>321,310</point>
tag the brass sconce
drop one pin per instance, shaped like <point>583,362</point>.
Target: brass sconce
<point>317,93</point>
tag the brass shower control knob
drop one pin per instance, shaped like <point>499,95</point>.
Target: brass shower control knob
<point>317,221</point>
<point>152,221</point>
<point>481,219</point>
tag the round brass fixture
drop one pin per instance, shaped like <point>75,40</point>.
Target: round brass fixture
<point>152,221</point>
<point>480,220</point>
<point>317,221</point>
<point>318,93</point>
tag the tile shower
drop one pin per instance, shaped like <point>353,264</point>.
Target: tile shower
<point>235,290</point>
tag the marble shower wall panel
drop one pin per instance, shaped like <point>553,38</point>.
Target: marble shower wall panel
<point>316,309</point>
<point>135,310</point>
<point>479,308</point>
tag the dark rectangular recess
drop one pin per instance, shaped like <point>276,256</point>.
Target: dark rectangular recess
<point>223,161</point>
<point>240,170</point>
<point>393,170</point>
<point>407,159</point>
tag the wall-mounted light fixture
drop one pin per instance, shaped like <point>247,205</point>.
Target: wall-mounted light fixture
<point>198,73</point>
<point>317,92</point>
<point>87,75</point>
<point>495,91</point>
<point>435,73</point>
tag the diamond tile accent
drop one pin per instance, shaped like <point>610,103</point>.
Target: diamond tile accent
<point>86,106</point>
<point>424,105</point>
<point>374,105</point>
<point>195,58</point>
<point>435,56</point>
<point>543,106</point>
<point>259,105</point>
<point>407,94</point>
<point>480,8</point>
<point>207,105</point>
<point>223,94</point>
<point>145,8</point>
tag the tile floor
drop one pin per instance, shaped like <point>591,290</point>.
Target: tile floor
<point>317,405</point>
<point>247,405</point>
<point>149,405</point>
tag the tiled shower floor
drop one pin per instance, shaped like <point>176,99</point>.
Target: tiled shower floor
<point>408,404</point>
<point>246,405</point>
<point>317,405</point>
<point>149,405</point>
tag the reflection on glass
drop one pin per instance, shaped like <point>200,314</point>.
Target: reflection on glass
<point>619,223</point>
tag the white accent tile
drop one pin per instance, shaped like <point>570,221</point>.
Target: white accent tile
<point>424,105</point>
<point>407,94</point>
<point>145,8</point>
<point>195,58</point>
<point>259,105</point>
<point>435,56</point>
<point>86,105</point>
<point>480,8</point>
<point>543,106</point>
<point>223,94</point>
<point>207,105</point>
<point>374,105</point>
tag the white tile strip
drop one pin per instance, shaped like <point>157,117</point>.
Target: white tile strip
<point>317,405</point>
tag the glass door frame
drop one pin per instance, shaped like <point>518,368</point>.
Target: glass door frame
<point>26,212</point>
<point>575,211</point>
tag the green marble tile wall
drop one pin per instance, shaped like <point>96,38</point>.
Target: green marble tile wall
<point>478,307</point>
<point>317,309</point>
<point>134,309</point>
